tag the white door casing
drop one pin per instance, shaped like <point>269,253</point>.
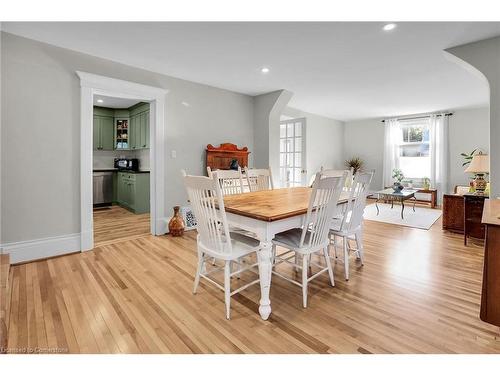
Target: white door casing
<point>92,84</point>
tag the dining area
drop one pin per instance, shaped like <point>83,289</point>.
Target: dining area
<point>245,226</point>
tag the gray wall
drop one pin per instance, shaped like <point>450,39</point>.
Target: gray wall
<point>366,139</point>
<point>483,59</point>
<point>40,157</point>
<point>469,129</point>
<point>324,141</point>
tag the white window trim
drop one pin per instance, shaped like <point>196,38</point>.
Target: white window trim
<point>91,84</point>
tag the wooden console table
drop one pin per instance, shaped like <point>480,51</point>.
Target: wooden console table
<point>462,214</point>
<point>432,192</point>
<point>490,296</point>
<point>473,212</point>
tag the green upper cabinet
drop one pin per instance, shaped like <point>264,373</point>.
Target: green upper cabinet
<point>107,133</point>
<point>103,131</point>
<point>121,129</point>
<point>134,127</point>
<point>139,126</point>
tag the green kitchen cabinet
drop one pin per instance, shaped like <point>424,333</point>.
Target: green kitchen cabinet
<point>139,131</point>
<point>139,126</point>
<point>103,133</point>
<point>144,133</point>
<point>133,191</point>
<point>134,130</point>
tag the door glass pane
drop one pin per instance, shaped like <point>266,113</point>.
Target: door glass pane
<point>298,144</point>
<point>282,131</point>
<point>282,159</point>
<point>283,143</point>
<point>289,132</point>
<point>297,176</point>
<point>298,159</point>
<point>289,144</point>
<point>298,129</point>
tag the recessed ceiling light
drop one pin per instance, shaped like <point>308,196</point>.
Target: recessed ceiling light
<point>265,70</point>
<point>389,27</point>
<point>100,101</point>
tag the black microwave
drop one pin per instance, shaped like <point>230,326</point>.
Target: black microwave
<point>127,164</point>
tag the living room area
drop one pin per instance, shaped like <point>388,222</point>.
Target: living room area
<point>428,157</point>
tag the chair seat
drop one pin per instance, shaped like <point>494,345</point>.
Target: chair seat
<point>335,227</point>
<point>242,246</point>
<point>244,232</point>
<point>291,239</point>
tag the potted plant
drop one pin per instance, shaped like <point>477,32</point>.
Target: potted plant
<point>398,175</point>
<point>355,163</point>
<point>426,183</point>
<point>467,157</point>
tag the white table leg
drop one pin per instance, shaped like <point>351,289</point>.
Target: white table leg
<point>265,267</point>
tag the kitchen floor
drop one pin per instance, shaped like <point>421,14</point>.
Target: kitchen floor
<point>115,223</point>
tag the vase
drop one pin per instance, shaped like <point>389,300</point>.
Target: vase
<point>397,187</point>
<point>176,224</point>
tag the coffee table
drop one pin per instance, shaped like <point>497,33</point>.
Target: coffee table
<point>401,196</point>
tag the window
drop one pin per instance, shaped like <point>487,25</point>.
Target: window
<point>414,149</point>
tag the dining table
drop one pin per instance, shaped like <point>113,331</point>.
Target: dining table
<point>266,213</point>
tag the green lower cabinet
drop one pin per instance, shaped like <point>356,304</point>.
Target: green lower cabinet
<point>133,191</point>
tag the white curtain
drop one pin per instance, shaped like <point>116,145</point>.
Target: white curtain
<point>439,154</point>
<point>392,138</point>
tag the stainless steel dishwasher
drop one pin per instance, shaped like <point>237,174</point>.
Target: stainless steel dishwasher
<point>103,188</point>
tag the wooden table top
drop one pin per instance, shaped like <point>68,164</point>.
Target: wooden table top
<point>272,205</point>
<point>491,212</point>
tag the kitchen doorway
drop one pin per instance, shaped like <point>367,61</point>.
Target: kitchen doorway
<point>139,128</point>
<point>120,169</point>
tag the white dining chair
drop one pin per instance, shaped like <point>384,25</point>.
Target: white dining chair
<point>230,180</point>
<point>312,237</point>
<point>259,179</point>
<point>349,226</point>
<point>339,172</point>
<point>214,238</point>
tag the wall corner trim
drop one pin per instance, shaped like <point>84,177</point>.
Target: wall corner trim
<point>25,251</point>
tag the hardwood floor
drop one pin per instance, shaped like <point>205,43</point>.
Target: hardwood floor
<point>418,292</point>
<point>4,300</point>
<point>115,223</point>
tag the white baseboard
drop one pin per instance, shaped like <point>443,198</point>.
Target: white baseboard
<point>25,251</point>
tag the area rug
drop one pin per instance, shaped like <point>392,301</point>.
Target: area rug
<point>422,218</point>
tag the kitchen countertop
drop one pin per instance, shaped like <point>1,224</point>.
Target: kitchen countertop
<point>117,170</point>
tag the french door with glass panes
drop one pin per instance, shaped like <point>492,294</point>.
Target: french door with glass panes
<point>293,152</point>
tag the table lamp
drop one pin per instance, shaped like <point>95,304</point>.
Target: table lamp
<point>479,165</point>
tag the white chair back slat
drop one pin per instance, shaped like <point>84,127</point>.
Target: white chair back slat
<point>353,216</point>
<point>323,206</point>
<point>230,181</point>
<point>259,179</point>
<point>207,203</point>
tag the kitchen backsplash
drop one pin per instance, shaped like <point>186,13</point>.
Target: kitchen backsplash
<point>105,159</point>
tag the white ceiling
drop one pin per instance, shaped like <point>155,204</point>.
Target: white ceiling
<point>111,102</point>
<point>338,69</point>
